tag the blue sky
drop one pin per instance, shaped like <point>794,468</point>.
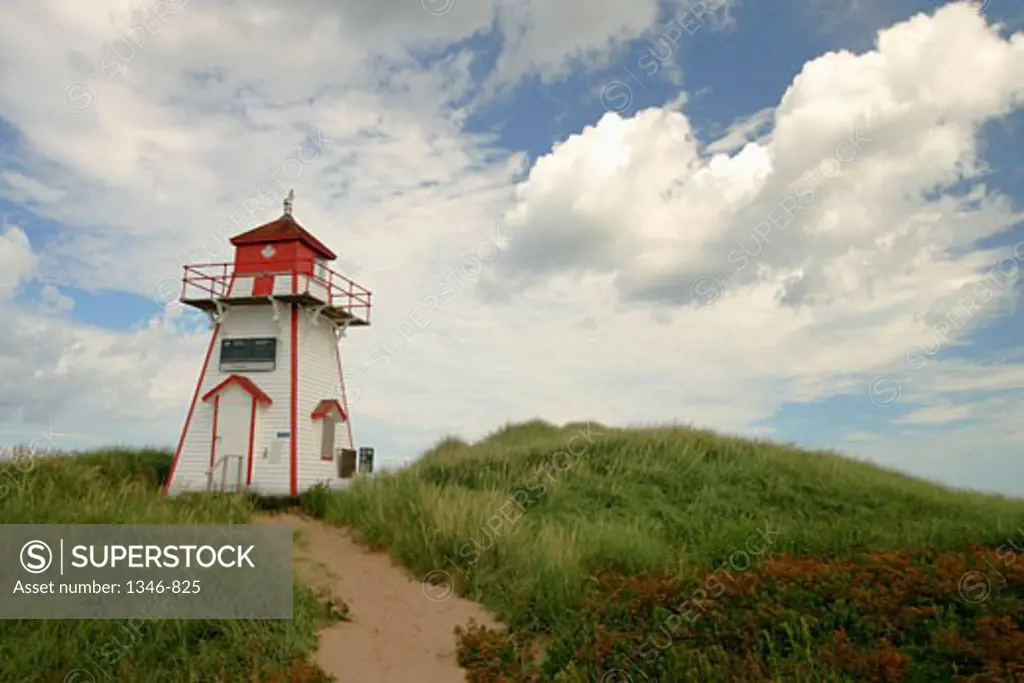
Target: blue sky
<point>607,143</point>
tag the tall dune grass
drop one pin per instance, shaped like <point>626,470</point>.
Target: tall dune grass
<point>123,487</point>
<point>527,518</point>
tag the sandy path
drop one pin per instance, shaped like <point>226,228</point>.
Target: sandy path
<point>399,631</point>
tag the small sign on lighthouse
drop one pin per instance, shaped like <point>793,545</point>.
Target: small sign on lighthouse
<point>264,416</point>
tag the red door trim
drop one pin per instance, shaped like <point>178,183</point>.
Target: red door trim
<point>213,432</point>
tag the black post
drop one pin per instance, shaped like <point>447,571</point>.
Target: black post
<point>366,459</point>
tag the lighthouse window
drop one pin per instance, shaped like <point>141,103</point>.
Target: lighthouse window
<point>252,354</point>
<point>321,269</point>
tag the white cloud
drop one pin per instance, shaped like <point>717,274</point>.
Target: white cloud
<point>548,38</point>
<point>53,301</point>
<point>590,312</point>
<point>970,455</point>
<point>545,37</point>
<point>28,189</point>
<point>938,415</point>
<point>801,290</point>
<point>16,259</point>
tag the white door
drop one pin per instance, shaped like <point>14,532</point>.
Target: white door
<point>232,461</point>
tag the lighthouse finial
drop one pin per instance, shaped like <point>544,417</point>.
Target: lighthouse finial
<point>288,202</point>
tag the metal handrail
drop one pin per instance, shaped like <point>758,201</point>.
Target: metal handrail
<point>214,279</point>
<point>222,462</point>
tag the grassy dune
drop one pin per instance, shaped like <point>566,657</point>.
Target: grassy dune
<point>612,555</point>
<point>123,487</point>
<point>675,554</point>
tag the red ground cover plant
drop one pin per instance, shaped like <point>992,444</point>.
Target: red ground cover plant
<point>491,656</point>
<point>903,615</point>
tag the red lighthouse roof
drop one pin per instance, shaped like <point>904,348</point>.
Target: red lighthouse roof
<point>284,229</point>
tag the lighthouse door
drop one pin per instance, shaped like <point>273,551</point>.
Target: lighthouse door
<point>235,411</point>
<point>263,285</point>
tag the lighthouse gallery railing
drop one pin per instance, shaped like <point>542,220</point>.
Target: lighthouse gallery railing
<point>215,280</point>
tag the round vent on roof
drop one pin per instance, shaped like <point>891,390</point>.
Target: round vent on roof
<point>268,251</point>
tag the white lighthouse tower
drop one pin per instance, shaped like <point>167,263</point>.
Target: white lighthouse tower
<point>269,413</point>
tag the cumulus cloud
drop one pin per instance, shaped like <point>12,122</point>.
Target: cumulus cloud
<point>834,205</point>
<point>845,219</point>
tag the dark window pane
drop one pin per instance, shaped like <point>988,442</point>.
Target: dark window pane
<point>254,350</point>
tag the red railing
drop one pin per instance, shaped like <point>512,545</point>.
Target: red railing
<point>215,280</point>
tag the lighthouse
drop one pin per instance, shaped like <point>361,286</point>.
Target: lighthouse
<point>269,413</point>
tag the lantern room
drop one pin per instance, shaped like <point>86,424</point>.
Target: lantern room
<point>277,262</point>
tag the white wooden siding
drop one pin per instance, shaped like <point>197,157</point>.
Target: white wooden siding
<point>242,285</point>
<point>317,379</point>
<point>270,479</point>
<point>315,287</point>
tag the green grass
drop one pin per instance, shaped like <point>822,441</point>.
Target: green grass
<point>740,560</point>
<point>123,487</point>
<point>525,519</point>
